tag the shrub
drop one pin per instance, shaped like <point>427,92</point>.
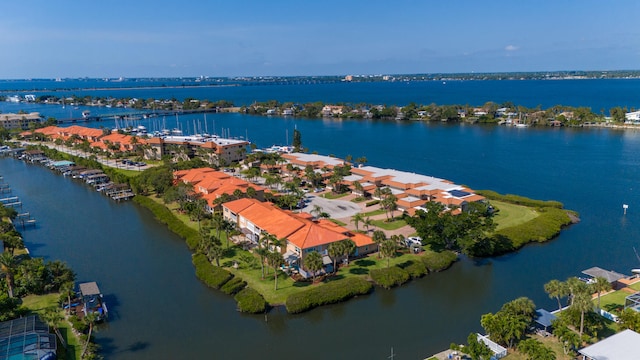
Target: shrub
<point>79,325</point>
<point>438,261</point>
<point>371,203</point>
<point>389,277</point>
<point>519,200</point>
<point>330,293</point>
<point>250,301</point>
<point>211,275</point>
<point>415,269</point>
<point>233,286</point>
<point>165,216</point>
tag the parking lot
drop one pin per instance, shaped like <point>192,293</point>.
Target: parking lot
<point>335,208</point>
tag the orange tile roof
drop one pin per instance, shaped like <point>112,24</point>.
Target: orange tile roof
<point>237,206</point>
<point>312,235</point>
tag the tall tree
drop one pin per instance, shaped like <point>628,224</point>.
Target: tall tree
<point>275,259</point>
<point>313,263</point>
<point>335,250</point>
<point>581,302</point>
<point>388,249</point>
<point>90,319</point>
<point>601,285</point>
<point>379,237</point>
<point>556,289</point>
<point>8,264</point>
<point>348,248</point>
<point>357,219</point>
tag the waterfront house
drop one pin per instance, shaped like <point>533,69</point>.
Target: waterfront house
<point>19,121</point>
<point>621,346</point>
<point>215,150</point>
<point>300,232</point>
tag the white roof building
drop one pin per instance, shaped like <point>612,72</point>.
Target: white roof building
<point>624,345</point>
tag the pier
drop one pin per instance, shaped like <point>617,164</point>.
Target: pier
<point>25,220</point>
<point>135,114</point>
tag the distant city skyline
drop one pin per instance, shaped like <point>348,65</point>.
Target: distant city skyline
<point>42,39</point>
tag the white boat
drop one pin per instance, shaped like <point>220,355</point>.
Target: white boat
<point>86,114</point>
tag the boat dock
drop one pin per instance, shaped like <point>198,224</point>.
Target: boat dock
<point>25,220</point>
<point>5,189</point>
<point>12,201</point>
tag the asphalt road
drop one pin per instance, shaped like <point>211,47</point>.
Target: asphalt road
<point>335,208</point>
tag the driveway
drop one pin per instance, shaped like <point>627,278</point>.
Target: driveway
<point>335,208</point>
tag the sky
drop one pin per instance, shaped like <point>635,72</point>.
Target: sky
<point>159,38</point>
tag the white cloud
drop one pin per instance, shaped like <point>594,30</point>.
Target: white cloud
<point>511,48</point>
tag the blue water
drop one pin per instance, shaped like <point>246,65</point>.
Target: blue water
<point>163,311</point>
<point>598,94</point>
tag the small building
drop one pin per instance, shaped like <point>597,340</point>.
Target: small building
<point>544,320</point>
<point>26,338</point>
<point>19,121</point>
<point>621,346</point>
<point>611,276</point>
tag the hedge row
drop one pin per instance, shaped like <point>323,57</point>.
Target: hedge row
<point>438,261</point>
<point>250,301</point>
<point>330,293</point>
<point>165,216</point>
<point>519,200</point>
<point>233,286</point>
<point>389,277</point>
<point>542,228</point>
<point>415,269</point>
<point>371,203</point>
<point>211,275</point>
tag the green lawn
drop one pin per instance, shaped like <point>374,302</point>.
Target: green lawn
<point>393,225</point>
<point>549,341</point>
<point>635,286</point>
<point>511,214</point>
<point>37,304</point>
<point>331,195</point>
<point>373,213</point>
<point>614,298</point>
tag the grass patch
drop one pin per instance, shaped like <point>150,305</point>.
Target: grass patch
<point>635,286</point>
<point>211,275</point>
<point>358,199</point>
<point>612,300</point>
<point>36,304</point>
<point>250,301</point>
<point>511,214</point>
<point>373,213</point>
<point>332,195</point>
<point>542,228</point>
<point>389,277</point>
<point>371,203</point>
<point>392,225</point>
<point>338,222</point>
<point>330,293</point>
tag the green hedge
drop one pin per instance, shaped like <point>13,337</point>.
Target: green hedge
<point>330,293</point>
<point>438,261</point>
<point>250,301</point>
<point>233,286</point>
<point>371,203</point>
<point>389,277</point>
<point>415,269</point>
<point>519,200</point>
<point>542,228</point>
<point>165,216</point>
<point>211,275</point>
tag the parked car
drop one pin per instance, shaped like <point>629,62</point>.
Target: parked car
<point>413,240</point>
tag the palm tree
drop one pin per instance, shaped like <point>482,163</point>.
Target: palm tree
<point>12,241</point>
<point>67,290</point>
<point>357,219</point>
<point>228,226</point>
<point>358,188</point>
<point>317,211</point>
<point>378,237</point>
<point>388,249</point>
<point>313,263</point>
<point>275,259</point>
<point>367,222</point>
<point>348,248</point>
<point>556,289</point>
<point>53,318</point>
<point>601,285</point>
<point>335,250</point>
<point>582,302</point>
<point>8,265</point>
<point>90,319</point>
